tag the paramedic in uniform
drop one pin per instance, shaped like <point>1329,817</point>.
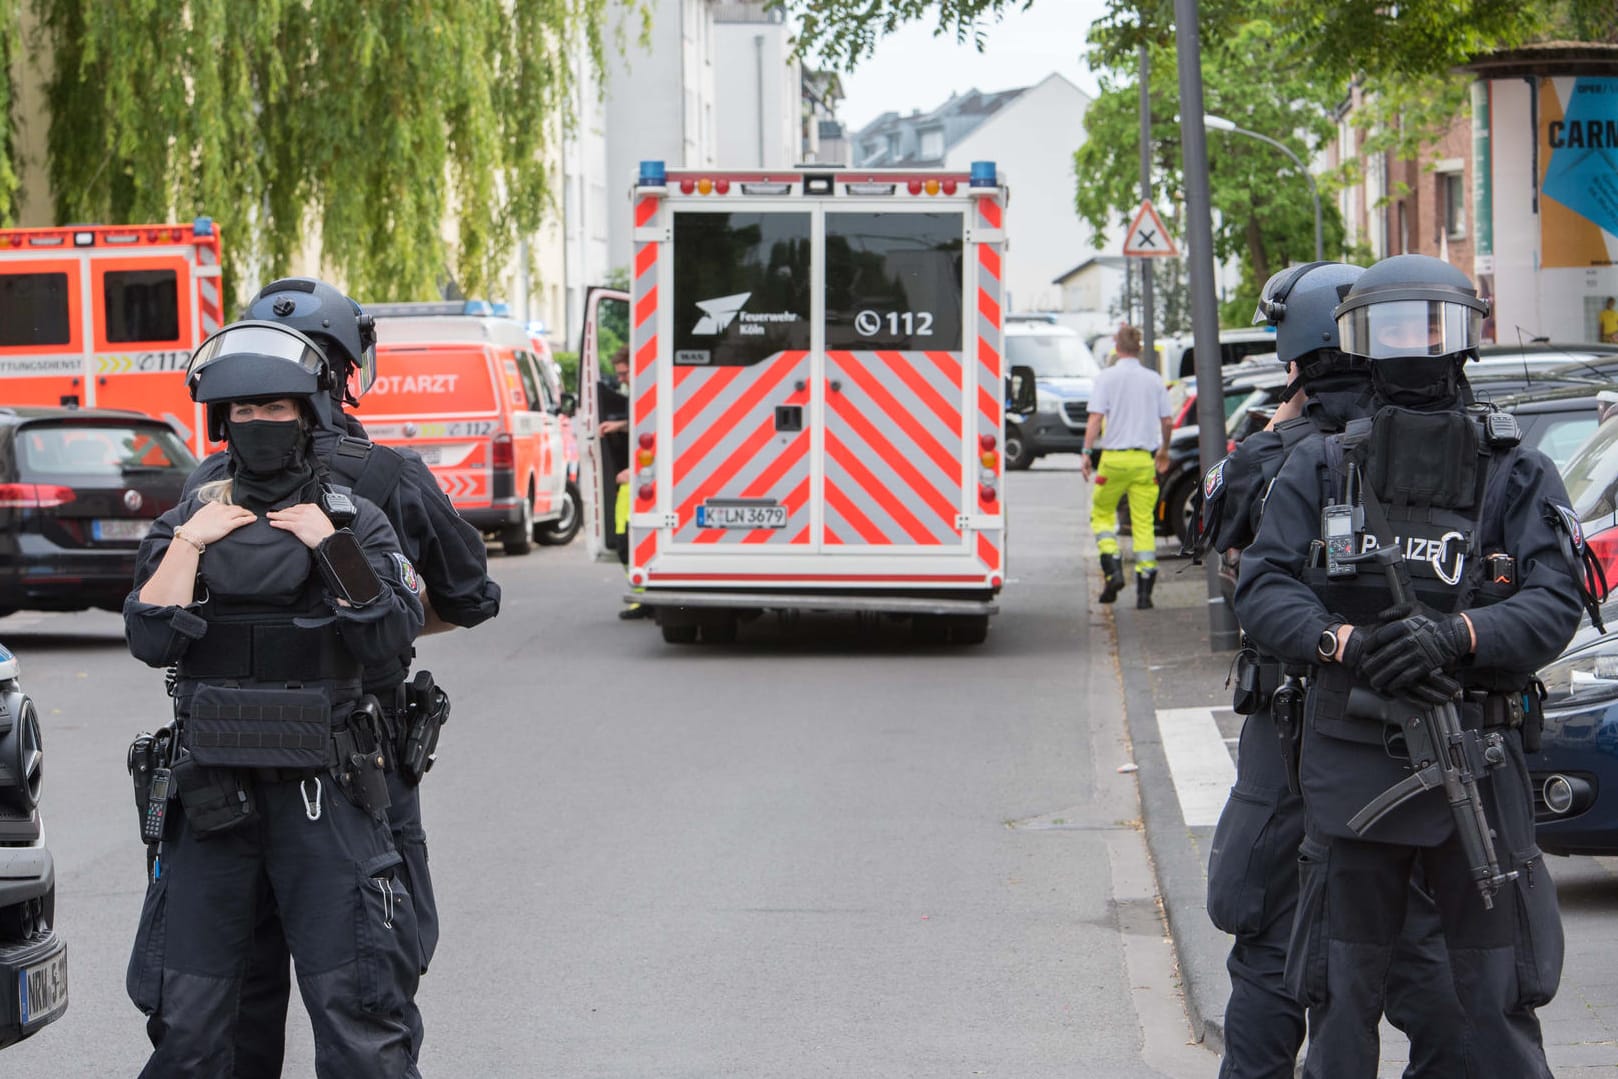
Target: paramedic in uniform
<point>1129,423</point>
<point>1459,490</point>
<point>451,564</point>
<point>1253,860</point>
<point>269,614</point>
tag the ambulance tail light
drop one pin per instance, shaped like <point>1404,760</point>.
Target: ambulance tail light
<point>874,189</point>
<point>646,492</point>
<point>31,496</point>
<point>769,188</point>
<point>987,493</point>
<point>504,452</point>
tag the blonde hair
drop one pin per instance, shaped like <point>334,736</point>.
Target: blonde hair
<point>1128,340</point>
<point>217,491</point>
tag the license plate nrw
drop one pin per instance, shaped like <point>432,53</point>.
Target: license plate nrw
<point>121,528</point>
<point>42,989</point>
<point>741,515</point>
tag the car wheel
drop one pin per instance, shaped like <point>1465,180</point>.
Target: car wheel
<point>969,629</point>
<point>679,634</point>
<point>929,629</point>
<point>1019,453</point>
<point>518,539</point>
<point>560,532</point>
<point>719,630</point>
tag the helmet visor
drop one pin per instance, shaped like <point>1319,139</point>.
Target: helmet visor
<point>260,339</point>
<point>1402,328</point>
<point>362,376</point>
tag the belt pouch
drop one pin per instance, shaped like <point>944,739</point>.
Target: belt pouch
<point>260,728</point>
<point>215,800</point>
<point>1249,696</point>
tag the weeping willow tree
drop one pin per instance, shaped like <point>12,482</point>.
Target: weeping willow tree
<point>366,130</point>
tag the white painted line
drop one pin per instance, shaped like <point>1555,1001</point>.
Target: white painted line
<point>1199,763</point>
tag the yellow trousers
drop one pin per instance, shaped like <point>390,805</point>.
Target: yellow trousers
<point>1132,473</point>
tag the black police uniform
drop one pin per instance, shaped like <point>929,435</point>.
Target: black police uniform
<point>1452,495</point>
<point>266,641</point>
<point>450,558</point>
<point>1253,859</point>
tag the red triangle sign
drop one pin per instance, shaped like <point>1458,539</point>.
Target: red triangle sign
<point>1147,238</point>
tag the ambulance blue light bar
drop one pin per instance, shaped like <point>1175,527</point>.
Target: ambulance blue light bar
<point>983,174</point>
<point>652,174</point>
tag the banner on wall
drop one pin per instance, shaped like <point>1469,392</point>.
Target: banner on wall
<point>1578,151</point>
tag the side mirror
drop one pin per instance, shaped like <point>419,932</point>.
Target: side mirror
<point>1022,396</point>
<point>568,405</point>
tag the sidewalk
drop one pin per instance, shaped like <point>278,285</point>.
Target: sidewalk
<point>1165,664</point>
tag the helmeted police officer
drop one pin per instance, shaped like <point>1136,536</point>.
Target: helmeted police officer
<point>1252,866</point>
<point>1495,560</point>
<point>450,559</point>
<point>269,612</point>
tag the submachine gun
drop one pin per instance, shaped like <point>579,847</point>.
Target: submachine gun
<point>1442,753</point>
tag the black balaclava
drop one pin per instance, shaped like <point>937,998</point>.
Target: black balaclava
<point>270,461</point>
<point>1418,382</point>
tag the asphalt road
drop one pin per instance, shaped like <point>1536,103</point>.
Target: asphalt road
<point>819,851</point>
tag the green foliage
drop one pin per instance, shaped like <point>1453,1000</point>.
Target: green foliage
<point>10,47</point>
<point>355,127</point>
<point>568,364</point>
<point>844,32</point>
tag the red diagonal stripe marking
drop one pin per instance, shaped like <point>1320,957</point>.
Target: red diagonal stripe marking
<point>878,490</point>
<point>856,520</point>
<point>790,456</point>
<point>988,405</point>
<point>936,500</point>
<point>646,405</point>
<point>744,455</point>
<point>791,502</point>
<point>764,384</point>
<point>893,410</point>
<point>645,209</point>
<point>832,539</point>
<point>646,306</point>
<point>683,373</point>
<point>989,259</point>
<point>988,553</point>
<point>647,548</point>
<point>646,258</point>
<point>990,210</point>
<point>989,307</point>
<point>988,356</point>
<point>645,355</point>
<point>949,364</point>
<point>718,378</point>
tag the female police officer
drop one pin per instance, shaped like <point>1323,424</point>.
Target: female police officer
<point>268,611</point>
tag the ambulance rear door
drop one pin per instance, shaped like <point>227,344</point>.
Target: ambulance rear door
<point>605,329</point>
<point>45,330</point>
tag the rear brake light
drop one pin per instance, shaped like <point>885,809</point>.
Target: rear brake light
<point>505,452</point>
<point>33,495</point>
<point>1604,545</point>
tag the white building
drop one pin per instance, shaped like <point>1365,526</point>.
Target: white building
<point>758,87</point>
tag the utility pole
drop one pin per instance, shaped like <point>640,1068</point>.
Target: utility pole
<point>1148,318</point>
<point>1222,631</point>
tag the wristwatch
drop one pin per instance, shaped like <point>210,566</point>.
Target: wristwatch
<point>1326,647</point>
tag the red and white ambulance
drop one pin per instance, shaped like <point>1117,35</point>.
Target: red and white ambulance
<point>107,316</point>
<point>816,397</point>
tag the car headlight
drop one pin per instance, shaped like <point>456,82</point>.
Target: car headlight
<point>1048,401</point>
<point>1582,677</point>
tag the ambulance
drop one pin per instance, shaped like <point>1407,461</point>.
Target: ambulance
<point>107,316</point>
<point>815,400</point>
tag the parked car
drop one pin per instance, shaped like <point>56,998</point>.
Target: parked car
<point>79,490</point>
<point>1234,347</point>
<point>33,957</point>
<point>1064,372</point>
<point>1574,776</point>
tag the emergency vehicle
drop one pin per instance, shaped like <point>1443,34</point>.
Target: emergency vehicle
<point>815,397</point>
<point>107,316</point>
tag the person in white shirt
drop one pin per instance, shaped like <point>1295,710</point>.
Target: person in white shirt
<point>1129,423</point>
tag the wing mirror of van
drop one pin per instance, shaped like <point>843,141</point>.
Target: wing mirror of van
<point>1022,395</point>
<point>568,405</point>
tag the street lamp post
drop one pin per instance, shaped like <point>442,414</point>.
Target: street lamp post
<point>1219,123</point>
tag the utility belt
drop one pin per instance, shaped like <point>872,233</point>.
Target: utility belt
<point>1264,683</point>
<point>415,713</point>
<point>1355,713</point>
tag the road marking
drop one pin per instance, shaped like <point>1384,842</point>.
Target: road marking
<point>1199,763</point>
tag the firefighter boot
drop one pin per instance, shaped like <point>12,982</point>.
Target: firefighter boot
<point>1144,580</point>
<point>1112,569</point>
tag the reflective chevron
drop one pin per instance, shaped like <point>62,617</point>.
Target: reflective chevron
<point>643,303</point>
<point>208,291</point>
<point>463,484</point>
<point>726,447</point>
<point>893,448</point>
<point>989,415</point>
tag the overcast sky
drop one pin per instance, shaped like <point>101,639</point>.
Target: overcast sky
<point>911,69</point>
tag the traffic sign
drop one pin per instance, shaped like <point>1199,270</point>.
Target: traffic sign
<point>1147,238</point>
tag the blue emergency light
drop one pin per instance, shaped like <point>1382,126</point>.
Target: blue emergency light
<point>652,174</point>
<point>202,226</point>
<point>983,175</point>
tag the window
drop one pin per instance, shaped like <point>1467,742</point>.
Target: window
<point>1452,190</point>
<point>932,144</point>
<point>141,305</point>
<point>530,388</point>
<point>742,293</point>
<point>33,309</point>
<point>111,450</point>
<point>894,280</point>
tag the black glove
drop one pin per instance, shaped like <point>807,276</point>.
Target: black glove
<point>1410,657</point>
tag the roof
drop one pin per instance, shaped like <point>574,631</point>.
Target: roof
<point>1111,262</point>
<point>958,117</point>
<point>24,413</point>
<point>1547,58</point>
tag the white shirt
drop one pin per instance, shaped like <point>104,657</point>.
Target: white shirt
<point>1134,402</point>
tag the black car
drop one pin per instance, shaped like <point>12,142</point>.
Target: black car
<point>79,490</point>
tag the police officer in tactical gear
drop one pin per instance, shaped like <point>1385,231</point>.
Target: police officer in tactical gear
<point>1493,561</point>
<point>1252,867</point>
<point>451,562</point>
<point>269,592</point>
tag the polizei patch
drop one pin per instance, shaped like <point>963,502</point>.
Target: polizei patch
<point>407,572</point>
<point>1214,481</point>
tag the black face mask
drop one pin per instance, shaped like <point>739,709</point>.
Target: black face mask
<point>1417,381</point>
<point>269,460</point>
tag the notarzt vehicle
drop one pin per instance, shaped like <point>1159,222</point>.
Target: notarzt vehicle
<point>816,401</point>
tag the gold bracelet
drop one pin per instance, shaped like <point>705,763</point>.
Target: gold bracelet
<point>180,534</point>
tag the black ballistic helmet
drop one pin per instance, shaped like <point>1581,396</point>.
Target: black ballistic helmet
<point>338,324</point>
<point>255,361</point>
<point>1411,307</point>
<point>1299,302</point>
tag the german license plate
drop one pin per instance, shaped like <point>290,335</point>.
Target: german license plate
<point>120,528</point>
<point>42,990</point>
<point>741,515</point>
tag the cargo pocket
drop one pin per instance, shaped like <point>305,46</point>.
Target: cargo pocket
<point>144,979</point>
<point>420,884</point>
<point>1239,860</point>
<point>387,942</point>
<point>1540,944</point>
<point>1306,951</point>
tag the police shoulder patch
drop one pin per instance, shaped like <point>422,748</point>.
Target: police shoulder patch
<point>407,572</point>
<point>1569,523</point>
<point>1214,481</point>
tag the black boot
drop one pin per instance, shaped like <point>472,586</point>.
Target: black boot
<point>1144,580</point>
<point>1113,571</point>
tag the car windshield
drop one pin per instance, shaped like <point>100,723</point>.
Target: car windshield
<point>1592,473</point>
<point>64,449</point>
<point>1051,355</point>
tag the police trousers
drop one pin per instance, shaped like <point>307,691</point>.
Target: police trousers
<point>1503,963</point>
<point>266,988</point>
<point>1253,895</point>
<point>1132,473</point>
<point>350,925</point>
